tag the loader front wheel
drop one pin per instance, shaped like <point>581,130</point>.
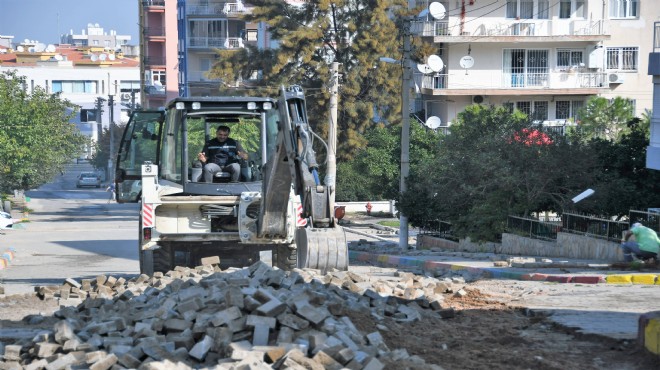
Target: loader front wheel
<point>286,257</point>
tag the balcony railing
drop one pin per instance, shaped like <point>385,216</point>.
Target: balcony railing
<point>154,61</point>
<point>552,80</point>
<point>228,9</point>
<point>215,42</point>
<point>656,37</point>
<point>154,31</point>
<point>530,27</point>
<point>154,90</point>
<point>153,3</point>
<point>200,76</point>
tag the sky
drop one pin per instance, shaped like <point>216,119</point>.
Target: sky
<point>45,20</point>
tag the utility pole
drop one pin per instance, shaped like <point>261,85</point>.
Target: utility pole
<point>405,129</point>
<point>330,178</point>
<point>99,118</point>
<point>111,105</point>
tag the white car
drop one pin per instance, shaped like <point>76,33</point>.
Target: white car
<point>5,220</point>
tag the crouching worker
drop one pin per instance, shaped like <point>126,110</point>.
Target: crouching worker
<point>640,242</point>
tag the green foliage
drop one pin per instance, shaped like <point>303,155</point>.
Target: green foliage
<point>623,181</point>
<point>374,173</point>
<point>102,151</point>
<point>605,119</point>
<point>312,35</point>
<point>36,137</point>
<point>489,167</point>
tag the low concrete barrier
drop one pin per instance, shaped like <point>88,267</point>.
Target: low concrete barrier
<point>567,245</point>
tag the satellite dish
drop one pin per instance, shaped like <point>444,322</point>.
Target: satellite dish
<point>103,57</point>
<point>433,122</point>
<point>31,49</point>
<point>435,63</point>
<point>111,56</point>
<point>94,57</point>
<point>437,10</point>
<point>20,49</point>
<point>50,48</point>
<point>39,48</point>
<point>467,62</point>
<point>424,68</point>
<point>26,41</point>
<point>58,57</point>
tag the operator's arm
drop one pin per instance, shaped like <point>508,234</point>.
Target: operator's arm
<point>240,151</point>
<point>202,155</point>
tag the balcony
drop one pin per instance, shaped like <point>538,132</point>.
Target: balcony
<point>512,30</point>
<point>515,83</point>
<point>149,3</point>
<point>216,9</point>
<point>200,76</point>
<point>154,61</point>
<point>154,90</point>
<point>154,32</point>
<point>215,42</point>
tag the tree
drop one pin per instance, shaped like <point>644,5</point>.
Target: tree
<point>606,119</point>
<point>623,181</point>
<point>494,164</point>
<point>36,137</point>
<point>312,35</point>
<point>374,172</point>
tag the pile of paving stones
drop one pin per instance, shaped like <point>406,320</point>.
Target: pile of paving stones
<point>256,317</point>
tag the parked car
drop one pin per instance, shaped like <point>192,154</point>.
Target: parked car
<point>5,220</point>
<point>88,179</point>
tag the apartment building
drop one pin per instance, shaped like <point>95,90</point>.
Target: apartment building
<point>81,75</point>
<point>160,51</point>
<point>543,57</point>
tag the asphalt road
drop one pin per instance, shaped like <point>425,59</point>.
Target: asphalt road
<point>72,233</point>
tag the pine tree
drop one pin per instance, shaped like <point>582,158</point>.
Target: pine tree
<point>354,33</point>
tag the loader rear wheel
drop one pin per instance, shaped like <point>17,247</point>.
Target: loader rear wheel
<point>286,257</point>
<point>322,249</point>
<point>163,258</point>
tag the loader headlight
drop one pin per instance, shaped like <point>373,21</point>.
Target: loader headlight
<point>268,105</point>
<point>180,105</point>
<point>196,105</point>
<point>252,105</point>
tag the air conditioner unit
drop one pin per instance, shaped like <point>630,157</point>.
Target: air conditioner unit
<point>615,78</point>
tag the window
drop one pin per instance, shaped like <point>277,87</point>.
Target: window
<point>75,87</point>
<point>624,8</point>
<point>512,8</point>
<point>566,109</point>
<point>523,9</point>
<point>525,107</point>
<point>622,58</point>
<point>567,58</point>
<point>544,9</point>
<point>540,112</point>
<point>564,9</point>
<point>88,115</point>
<point>579,9</point>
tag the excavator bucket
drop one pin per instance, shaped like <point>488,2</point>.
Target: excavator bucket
<point>322,248</point>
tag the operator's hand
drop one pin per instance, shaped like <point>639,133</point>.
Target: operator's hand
<point>243,155</point>
<point>201,157</point>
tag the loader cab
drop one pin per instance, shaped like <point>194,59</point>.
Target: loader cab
<point>187,124</point>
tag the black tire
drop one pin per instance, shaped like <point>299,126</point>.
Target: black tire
<point>286,257</point>
<point>163,258</point>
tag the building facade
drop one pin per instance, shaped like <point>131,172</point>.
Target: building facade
<point>543,57</point>
<point>82,75</point>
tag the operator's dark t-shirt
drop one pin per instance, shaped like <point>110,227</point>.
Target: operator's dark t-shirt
<point>222,154</point>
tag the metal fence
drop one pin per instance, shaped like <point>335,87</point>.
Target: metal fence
<point>440,229</point>
<point>648,219</point>
<point>592,226</point>
<point>532,228</point>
